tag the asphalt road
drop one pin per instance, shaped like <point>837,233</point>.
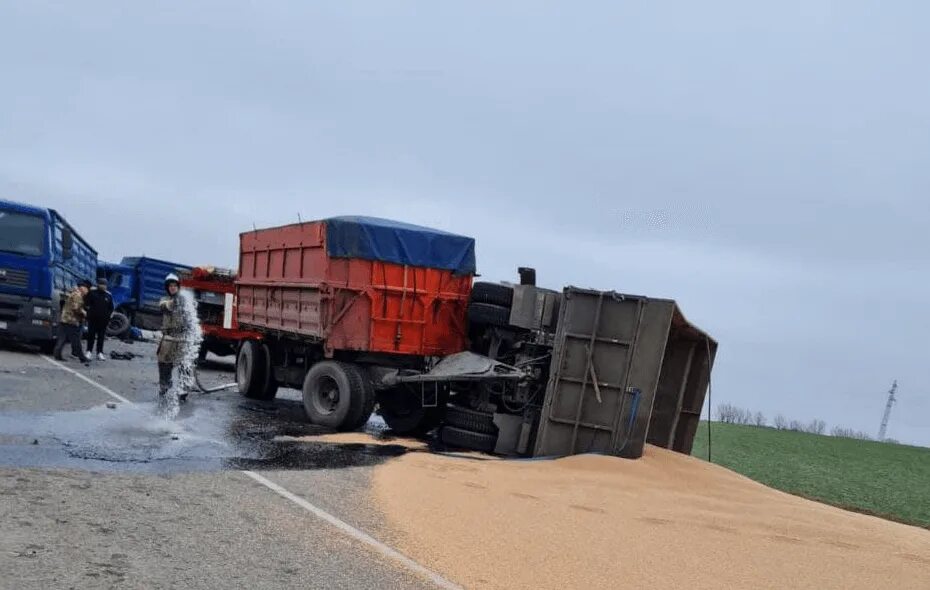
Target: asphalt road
<point>139,496</point>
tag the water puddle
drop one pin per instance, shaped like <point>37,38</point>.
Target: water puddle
<point>208,433</point>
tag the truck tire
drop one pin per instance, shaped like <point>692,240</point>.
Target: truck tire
<point>270,384</point>
<point>119,325</point>
<point>488,314</point>
<point>473,420</point>
<point>250,370</point>
<point>466,439</point>
<point>403,412</point>
<point>336,395</point>
<point>493,293</point>
<point>363,405</point>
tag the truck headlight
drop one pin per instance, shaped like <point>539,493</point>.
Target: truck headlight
<point>44,312</point>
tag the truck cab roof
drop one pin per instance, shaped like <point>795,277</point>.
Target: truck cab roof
<point>47,214</point>
<point>114,266</point>
<point>23,208</point>
<point>134,261</point>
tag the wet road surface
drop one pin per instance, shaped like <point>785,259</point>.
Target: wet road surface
<point>98,493</point>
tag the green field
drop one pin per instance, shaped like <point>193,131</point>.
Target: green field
<point>892,481</point>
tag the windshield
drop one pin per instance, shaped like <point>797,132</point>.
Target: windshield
<point>22,234</point>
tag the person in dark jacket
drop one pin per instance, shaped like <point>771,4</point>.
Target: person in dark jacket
<point>72,318</point>
<point>99,305</point>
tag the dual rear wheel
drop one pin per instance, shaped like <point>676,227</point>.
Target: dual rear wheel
<point>469,429</point>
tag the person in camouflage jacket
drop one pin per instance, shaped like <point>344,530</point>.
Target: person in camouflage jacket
<point>69,326</point>
<point>175,333</point>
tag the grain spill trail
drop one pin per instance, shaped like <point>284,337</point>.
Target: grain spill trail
<point>665,521</point>
<point>356,438</point>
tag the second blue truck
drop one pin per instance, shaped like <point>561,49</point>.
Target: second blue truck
<point>137,284</point>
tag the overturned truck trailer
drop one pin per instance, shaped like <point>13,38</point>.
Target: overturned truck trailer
<point>626,370</point>
<point>580,371</point>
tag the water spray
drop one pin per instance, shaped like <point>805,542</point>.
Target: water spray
<point>192,341</point>
<point>190,349</point>
<point>188,366</point>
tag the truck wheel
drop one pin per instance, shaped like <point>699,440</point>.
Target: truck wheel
<point>403,411</point>
<point>363,405</point>
<point>473,420</point>
<point>336,395</point>
<point>493,293</point>
<point>466,439</point>
<point>250,370</point>
<point>270,384</point>
<point>488,314</point>
<point>119,325</point>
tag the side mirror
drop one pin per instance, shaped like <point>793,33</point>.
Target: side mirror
<point>67,244</point>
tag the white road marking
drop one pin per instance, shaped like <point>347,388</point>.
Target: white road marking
<point>356,534</point>
<point>102,388</point>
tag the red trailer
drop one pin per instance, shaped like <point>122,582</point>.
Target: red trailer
<point>336,299</point>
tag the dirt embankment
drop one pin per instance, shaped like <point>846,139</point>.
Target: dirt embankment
<point>665,521</point>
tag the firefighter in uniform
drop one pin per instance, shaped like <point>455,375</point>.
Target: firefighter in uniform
<point>175,328</point>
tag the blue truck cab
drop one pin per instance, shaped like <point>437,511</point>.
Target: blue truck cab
<point>137,284</point>
<point>41,259</point>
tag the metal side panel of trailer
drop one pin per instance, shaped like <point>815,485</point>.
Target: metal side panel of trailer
<point>609,372</point>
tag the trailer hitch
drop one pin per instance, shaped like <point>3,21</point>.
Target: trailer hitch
<point>462,366</point>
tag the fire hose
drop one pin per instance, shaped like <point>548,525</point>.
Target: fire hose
<point>210,389</point>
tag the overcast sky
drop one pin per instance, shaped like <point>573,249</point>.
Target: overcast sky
<point>766,164</point>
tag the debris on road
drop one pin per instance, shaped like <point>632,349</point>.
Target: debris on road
<point>111,405</point>
<point>124,356</point>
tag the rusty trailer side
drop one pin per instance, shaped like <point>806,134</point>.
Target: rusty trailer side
<point>617,358</point>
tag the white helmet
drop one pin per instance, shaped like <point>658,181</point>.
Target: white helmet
<point>172,278</point>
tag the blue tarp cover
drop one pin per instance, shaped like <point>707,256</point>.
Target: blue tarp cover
<point>371,238</point>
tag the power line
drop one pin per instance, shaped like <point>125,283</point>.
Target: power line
<point>891,401</point>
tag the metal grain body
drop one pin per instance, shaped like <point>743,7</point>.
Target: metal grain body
<point>618,377</point>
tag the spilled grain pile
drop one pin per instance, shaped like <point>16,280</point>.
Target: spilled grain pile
<point>665,521</point>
